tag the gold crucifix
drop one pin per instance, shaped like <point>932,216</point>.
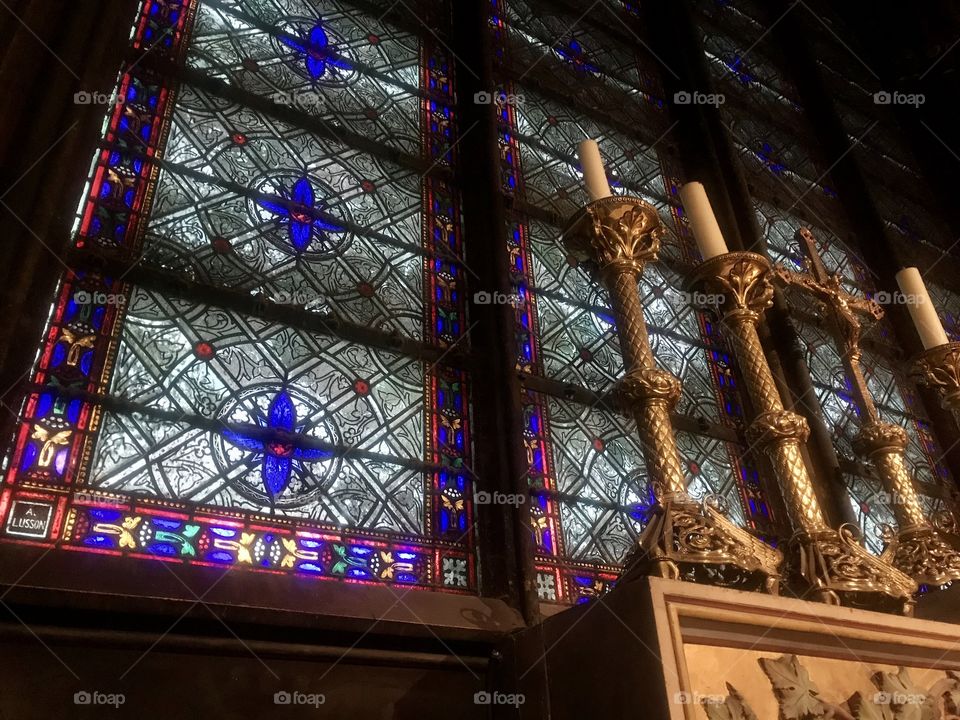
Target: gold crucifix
<point>917,550</point>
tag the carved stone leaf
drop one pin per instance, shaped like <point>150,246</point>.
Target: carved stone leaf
<point>733,708</point>
<point>794,690</point>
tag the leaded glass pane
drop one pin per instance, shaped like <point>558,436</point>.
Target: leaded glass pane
<point>220,216</point>
<point>947,303</point>
<point>549,133</point>
<point>272,60</point>
<point>779,229</point>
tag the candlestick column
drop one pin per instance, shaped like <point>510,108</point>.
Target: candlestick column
<point>684,539</point>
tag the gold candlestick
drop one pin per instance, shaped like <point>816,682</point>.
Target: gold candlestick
<point>835,567</point>
<point>684,539</point>
<point>916,549</point>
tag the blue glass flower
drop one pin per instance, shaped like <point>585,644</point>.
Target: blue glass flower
<point>299,209</point>
<point>279,458</point>
<point>317,53</point>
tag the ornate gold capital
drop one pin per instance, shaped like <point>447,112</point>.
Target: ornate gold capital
<point>880,437</point>
<point>646,385</point>
<point>617,233</point>
<point>743,279</point>
<point>772,428</point>
<point>939,367</point>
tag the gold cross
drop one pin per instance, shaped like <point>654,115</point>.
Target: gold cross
<point>844,311</point>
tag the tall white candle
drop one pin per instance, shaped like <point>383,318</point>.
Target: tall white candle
<point>703,222</point>
<point>594,174</point>
<point>922,311</point>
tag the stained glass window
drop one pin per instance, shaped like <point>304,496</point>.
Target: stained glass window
<point>590,492</point>
<point>251,367</point>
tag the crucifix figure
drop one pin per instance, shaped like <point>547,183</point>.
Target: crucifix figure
<point>916,550</point>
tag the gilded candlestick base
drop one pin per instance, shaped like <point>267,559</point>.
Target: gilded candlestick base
<point>939,367</point>
<point>916,549</point>
<point>690,540</point>
<point>922,554</point>
<point>838,571</point>
<point>684,539</point>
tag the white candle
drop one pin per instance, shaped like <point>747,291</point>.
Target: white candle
<point>922,311</point>
<point>594,174</point>
<point>703,222</point>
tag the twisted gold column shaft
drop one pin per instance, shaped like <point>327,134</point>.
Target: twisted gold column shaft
<point>906,502</point>
<point>884,445</point>
<point>916,549</point>
<point>654,391</point>
<point>776,430</point>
